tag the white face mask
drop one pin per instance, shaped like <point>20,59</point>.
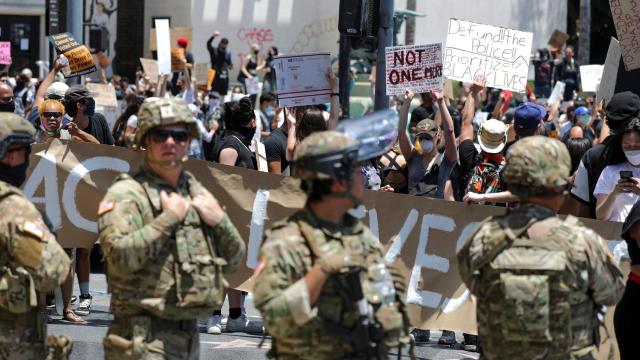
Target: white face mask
<point>426,145</point>
<point>633,157</point>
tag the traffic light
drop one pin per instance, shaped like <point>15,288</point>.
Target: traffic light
<point>359,20</point>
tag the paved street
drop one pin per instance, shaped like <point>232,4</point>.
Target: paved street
<point>87,338</point>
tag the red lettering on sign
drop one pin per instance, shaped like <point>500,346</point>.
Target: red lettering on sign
<point>255,35</point>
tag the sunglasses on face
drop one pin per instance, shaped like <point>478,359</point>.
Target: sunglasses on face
<point>160,136</point>
<point>51,115</point>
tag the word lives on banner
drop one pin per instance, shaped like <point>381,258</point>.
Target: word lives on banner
<point>499,54</point>
<point>414,67</point>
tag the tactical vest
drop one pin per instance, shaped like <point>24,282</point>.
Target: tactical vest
<point>339,317</point>
<point>528,292</point>
<point>185,280</point>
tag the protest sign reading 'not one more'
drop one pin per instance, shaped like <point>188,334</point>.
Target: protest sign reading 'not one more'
<point>417,68</point>
<point>499,54</point>
<point>79,56</point>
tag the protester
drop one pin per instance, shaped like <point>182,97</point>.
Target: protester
<point>267,112</point>
<point>249,70</point>
<point>615,191</point>
<point>568,71</point>
<point>626,316</point>
<point>221,63</point>
<point>543,70</point>
<point>426,110</point>
<point>394,171</point>
<point>621,108</point>
<point>7,103</point>
<point>23,92</point>
<point>276,148</point>
<point>125,126</point>
<point>269,81</point>
<point>49,89</point>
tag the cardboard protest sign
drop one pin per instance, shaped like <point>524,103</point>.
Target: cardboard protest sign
<point>174,34</point>
<point>177,59</point>
<point>558,38</point>
<point>610,72</point>
<point>150,68</point>
<point>557,93</point>
<point>499,54</point>
<point>590,76</point>
<point>201,73</point>
<point>414,67</point>
<point>80,59</point>
<point>448,89</point>
<point>163,46</point>
<point>104,94</point>
<point>421,235</point>
<point>5,53</point>
<point>252,85</point>
<point>626,14</point>
<point>302,79</point>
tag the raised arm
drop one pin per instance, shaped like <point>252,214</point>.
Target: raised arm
<point>46,82</point>
<point>334,115</point>
<point>451,151</point>
<point>403,138</point>
<point>469,110</point>
<point>291,135</point>
<point>210,47</point>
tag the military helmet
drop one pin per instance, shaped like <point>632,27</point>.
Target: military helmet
<point>159,111</point>
<point>14,129</point>
<point>537,165</point>
<point>325,155</point>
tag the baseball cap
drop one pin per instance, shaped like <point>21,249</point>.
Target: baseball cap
<point>528,116</point>
<point>492,136</point>
<point>76,93</point>
<point>183,42</point>
<point>56,91</point>
<point>427,126</point>
<point>581,111</point>
<point>622,106</point>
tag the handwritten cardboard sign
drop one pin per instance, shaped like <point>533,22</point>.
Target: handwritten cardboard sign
<point>414,67</point>
<point>302,79</point>
<point>80,59</point>
<point>610,72</point>
<point>5,53</point>
<point>557,93</point>
<point>558,38</point>
<point>150,68</point>
<point>590,76</point>
<point>501,55</point>
<point>104,94</point>
<point>177,59</point>
<point>174,34</point>
<point>420,235</point>
<point>626,15</point>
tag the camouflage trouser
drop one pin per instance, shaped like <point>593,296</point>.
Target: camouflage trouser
<point>22,336</point>
<point>150,338</point>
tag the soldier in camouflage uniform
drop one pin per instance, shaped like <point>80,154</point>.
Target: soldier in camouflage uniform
<point>30,258</point>
<point>539,279</point>
<point>166,241</point>
<point>301,287</point>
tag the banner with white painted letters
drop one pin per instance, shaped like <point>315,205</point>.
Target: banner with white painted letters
<point>68,180</point>
<point>499,54</point>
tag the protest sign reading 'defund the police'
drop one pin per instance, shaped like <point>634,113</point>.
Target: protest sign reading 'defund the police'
<point>80,59</point>
<point>416,67</point>
<point>499,54</point>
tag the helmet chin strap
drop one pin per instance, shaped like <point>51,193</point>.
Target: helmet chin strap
<point>348,194</point>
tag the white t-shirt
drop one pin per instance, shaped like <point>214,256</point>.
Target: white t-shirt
<point>607,182</point>
<point>132,121</point>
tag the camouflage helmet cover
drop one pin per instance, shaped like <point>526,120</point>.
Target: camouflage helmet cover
<point>325,155</point>
<point>14,129</point>
<point>159,112</point>
<point>537,165</point>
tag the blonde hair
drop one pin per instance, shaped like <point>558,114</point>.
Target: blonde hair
<point>54,102</point>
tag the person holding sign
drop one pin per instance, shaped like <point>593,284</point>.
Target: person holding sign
<point>221,63</point>
<point>568,72</point>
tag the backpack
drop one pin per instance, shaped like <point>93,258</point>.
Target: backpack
<point>485,178</point>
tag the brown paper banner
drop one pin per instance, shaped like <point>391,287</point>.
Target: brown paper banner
<point>67,180</point>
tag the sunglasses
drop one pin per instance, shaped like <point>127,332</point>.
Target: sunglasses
<point>160,136</point>
<point>51,115</point>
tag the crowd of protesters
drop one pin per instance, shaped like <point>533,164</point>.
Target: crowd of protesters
<point>448,147</point>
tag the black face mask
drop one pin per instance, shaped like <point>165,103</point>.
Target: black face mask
<point>14,175</point>
<point>247,134</point>
<point>8,107</point>
<point>91,107</point>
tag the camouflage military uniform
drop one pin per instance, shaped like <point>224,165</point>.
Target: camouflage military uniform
<point>163,273</point>
<point>539,279</point>
<point>30,260</point>
<point>327,329</point>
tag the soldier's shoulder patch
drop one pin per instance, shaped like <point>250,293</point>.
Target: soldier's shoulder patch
<point>33,229</point>
<point>107,204</point>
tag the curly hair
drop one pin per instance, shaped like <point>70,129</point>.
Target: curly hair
<point>56,103</point>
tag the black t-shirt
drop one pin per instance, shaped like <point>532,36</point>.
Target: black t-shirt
<point>276,147</point>
<point>468,157</point>
<point>99,128</point>
<point>245,159</point>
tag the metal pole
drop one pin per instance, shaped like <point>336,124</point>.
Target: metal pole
<point>75,10</point>
<point>385,39</point>
<point>343,73</point>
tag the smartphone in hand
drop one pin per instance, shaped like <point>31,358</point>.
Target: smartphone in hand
<point>626,175</point>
